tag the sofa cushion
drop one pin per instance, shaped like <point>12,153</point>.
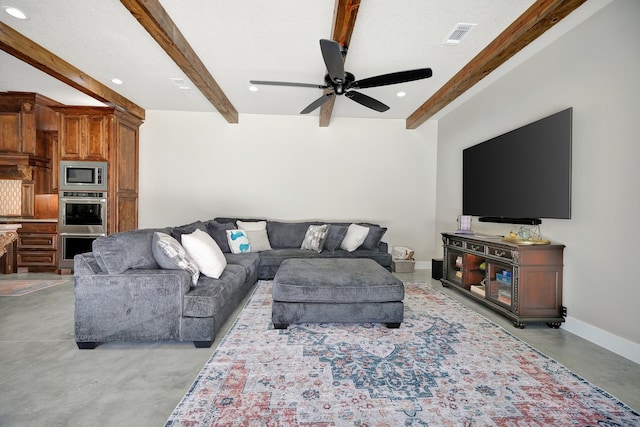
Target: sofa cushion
<point>121,251</point>
<point>257,234</point>
<point>170,255</point>
<point>238,241</point>
<point>205,252</point>
<point>250,262</point>
<point>374,237</point>
<point>210,295</point>
<point>315,237</point>
<point>218,231</point>
<point>287,234</point>
<point>356,234</point>
<point>335,236</point>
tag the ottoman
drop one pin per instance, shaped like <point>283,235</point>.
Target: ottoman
<point>336,290</point>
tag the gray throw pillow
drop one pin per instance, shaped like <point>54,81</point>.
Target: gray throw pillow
<point>218,231</point>
<point>335,235</point>
<point>121,251</point>
<point>177,232</point>
<point>374,237</point>
<point>170,255</point>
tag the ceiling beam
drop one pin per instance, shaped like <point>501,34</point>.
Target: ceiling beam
<point>344,19</point>
<point>155,19</point>
<point>37,56</point>
<point>541,16</point>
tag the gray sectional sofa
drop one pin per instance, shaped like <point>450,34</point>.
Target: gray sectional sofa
<point>122,293</point>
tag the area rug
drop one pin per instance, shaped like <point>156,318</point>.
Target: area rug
<point>445,366</point>
<point>10,287</point>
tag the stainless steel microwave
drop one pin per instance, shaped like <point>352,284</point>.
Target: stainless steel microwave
<point>83,176</point>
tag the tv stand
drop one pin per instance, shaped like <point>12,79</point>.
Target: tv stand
<point>521,281</point>
<point>503,220</point>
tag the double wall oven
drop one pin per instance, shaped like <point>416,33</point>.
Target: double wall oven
<point>83,208</point>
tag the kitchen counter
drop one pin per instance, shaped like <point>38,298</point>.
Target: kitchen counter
<point>13,219</point>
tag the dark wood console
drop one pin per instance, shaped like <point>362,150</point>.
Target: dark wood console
<point>521,281</point>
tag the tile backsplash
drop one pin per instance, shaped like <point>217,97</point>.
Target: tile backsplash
<point>10,197</point>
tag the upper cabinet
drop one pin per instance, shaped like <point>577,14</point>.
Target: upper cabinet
<point>85,133</point>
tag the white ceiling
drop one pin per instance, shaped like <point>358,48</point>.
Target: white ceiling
<point>253,39</point>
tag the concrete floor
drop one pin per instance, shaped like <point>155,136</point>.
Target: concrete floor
<point>46,381</point>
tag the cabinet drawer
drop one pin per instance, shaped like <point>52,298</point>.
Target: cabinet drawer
<point>38,241</point>
<point>38,227</point>
<point>499,252</point>
<point>455,243</point>
<point>475,247</point>
<point>36,258</point>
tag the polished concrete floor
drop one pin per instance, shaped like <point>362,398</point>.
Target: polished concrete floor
<point>46,381</point>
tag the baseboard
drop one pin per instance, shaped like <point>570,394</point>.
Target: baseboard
<point>611,342</point>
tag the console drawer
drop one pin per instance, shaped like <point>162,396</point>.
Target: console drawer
<point>499,252</point>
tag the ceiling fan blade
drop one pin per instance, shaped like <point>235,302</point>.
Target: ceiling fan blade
<point>317,103</point>
<point>332,55</point>
<point>393,78</point>
<point>367,101</point>
<point>264,82</point>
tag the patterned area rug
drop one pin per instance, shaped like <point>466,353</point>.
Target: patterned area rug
<point>22,287</point>
<point>445,366</point>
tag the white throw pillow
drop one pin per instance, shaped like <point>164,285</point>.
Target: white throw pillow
<point>206,253</point>
<point>354,238</point>
<point>238,241</point>
<point>257,234</point>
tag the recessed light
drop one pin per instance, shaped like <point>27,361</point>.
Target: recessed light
<point>253,88</point>
<point>401,94</point>
<point>15,12</point>
<point>117,81</point>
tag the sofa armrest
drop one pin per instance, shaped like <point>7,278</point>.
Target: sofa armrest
<point>143,304</point>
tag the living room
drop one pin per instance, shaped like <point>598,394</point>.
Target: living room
<point>410,180</point>
<point>194,165</point>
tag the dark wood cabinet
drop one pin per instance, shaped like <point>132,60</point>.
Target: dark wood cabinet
<point>106,134</point>
<point>521,281</point>
<point>37,248</point>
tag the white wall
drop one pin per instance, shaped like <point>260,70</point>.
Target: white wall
<point>594,69</point>
<point>196,166</point>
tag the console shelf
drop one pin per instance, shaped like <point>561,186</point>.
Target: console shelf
<point>522,282</point>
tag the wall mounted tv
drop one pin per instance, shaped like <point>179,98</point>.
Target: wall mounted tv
<point>521,176</point>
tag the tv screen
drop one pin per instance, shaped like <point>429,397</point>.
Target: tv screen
<point>525,173</point>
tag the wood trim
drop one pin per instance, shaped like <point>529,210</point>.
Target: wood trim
<point>37,56</point>
<point>345,13</point>
<point>155,19</point>
<point>541,16</point>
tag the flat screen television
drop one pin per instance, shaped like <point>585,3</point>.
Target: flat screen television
<point>521,176</point>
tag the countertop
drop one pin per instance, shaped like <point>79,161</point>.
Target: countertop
<point>15,219</point>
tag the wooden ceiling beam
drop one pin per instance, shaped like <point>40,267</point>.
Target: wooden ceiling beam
<point>344,19</point>
<point>541,16</point>
<point>155,19</point>
<point>37,56</point>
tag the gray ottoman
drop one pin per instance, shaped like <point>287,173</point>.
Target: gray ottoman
<point>336,290</point>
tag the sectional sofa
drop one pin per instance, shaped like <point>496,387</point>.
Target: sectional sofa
<point>140,286</point>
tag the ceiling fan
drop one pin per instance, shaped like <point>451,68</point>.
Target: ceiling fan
<point>342,82</point>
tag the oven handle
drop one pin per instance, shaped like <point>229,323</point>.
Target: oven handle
<point>82,234</point>
<point>83,200</point>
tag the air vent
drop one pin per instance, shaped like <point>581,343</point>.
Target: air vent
<point>458,33</point>
<point>180,83</point>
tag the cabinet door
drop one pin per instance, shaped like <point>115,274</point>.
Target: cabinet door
<point>97,142</point>
<point>500,284</point>
<point>10,135</point>
<point>85,137</point>
<point>72,138</point>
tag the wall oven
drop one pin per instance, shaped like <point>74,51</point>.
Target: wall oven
<point>82,219</point>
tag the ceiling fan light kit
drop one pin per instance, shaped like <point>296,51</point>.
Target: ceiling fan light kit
<point>341,82</point>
